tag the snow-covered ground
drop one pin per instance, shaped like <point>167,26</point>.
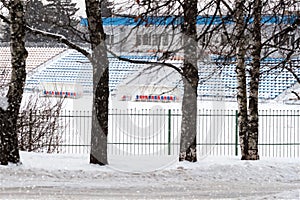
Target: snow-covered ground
<point>45,176</point>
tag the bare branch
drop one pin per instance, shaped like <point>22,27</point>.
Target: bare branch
<point>148,62</point>
<point>4,19</point>
<point>294,74</point>
<point>286,30</point>
<point>59,38</point>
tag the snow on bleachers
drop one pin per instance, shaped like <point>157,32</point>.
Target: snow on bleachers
<point>36,57</point>
<point>71,66</point>
<point>272,83</point>
<point>74,67</point>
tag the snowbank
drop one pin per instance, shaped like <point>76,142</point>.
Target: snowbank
<point>45,176</point>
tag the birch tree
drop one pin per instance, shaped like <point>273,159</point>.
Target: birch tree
<point>260,48</point>
<point>252,147</point>
<point>253,40</point>
<point>248,111</point>
<point>248,123</point>
<point>241,76</point>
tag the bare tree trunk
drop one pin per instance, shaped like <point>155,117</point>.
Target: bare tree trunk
<point>241,78</point>
<point>100,63</point>
<point>4,139</point>
<point>254,82</point>
<point>9,139</point>
<point>190,80</point>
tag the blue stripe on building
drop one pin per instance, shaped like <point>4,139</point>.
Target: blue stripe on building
<point>170,20</point>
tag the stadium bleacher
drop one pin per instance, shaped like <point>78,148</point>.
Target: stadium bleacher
<point>273,82</point>
<point>36,57</point>
<point>69,66</point>
<point>76,68</point>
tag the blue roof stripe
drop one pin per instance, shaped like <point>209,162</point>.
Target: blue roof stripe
<point>123,21</point>
<point>171,20</point>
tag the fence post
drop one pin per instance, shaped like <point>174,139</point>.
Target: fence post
<point>236,133</point>
<point>169,132</point>
<point>30,130</point>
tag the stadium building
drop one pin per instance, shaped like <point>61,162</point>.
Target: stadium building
<point>64,72</point>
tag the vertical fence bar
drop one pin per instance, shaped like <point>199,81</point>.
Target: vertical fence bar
<point>236,133</point>
<point>30,130</point>
<point>69,132</point>
<point>169,131</point>
<point>294,133</point>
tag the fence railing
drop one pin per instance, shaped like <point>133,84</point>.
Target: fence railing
<point>157,132</point>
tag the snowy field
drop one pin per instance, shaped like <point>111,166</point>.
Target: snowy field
<point>50,176</point>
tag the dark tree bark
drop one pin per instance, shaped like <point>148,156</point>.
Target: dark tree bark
<point>5,35</point>
<point>4,139</point>
<point>241,77</point>
<point>99,60</point>
<point>9,140</point>
<point>252,153</point>
<point>190,80</point>
<point>248,115</point>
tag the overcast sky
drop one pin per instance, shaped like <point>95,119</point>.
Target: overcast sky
<point>81,6</point>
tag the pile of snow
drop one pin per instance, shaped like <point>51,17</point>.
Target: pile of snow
<point>45,176</point>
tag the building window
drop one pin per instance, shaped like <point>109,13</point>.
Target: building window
<point>109,39</point>
<point>155,40</point>
<point>146,39</point>
<point>285,40</point>
<point>165,39</point>
<point>138,40</point>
